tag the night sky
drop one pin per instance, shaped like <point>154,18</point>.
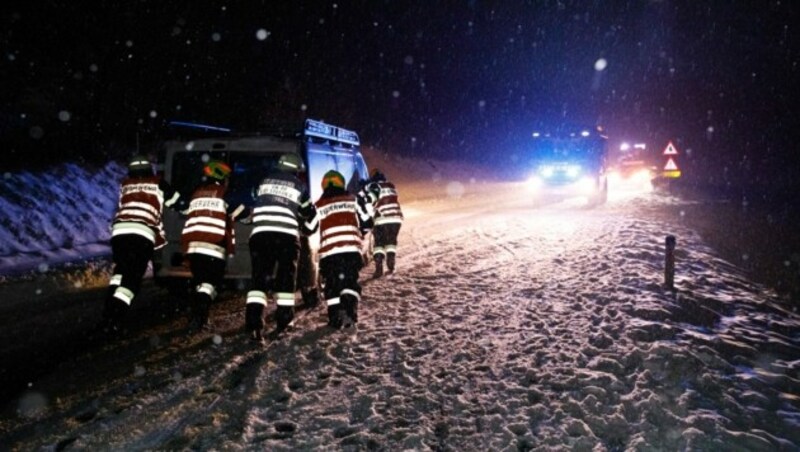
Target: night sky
<point>471,79</point>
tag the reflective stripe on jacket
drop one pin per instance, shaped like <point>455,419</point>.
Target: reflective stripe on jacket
<point>208,223</point>
<point>282,205</point>
<point>340,217</point>
<point>140,208</point>
<point>387,208</point>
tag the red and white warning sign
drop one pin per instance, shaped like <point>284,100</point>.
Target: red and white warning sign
<point>671,169</point>
<point>670,149</point>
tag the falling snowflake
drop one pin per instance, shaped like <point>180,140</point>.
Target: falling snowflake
<point>32,404</point>
<point>600,64</point>
<point>262,34</point>
<point>455,189</point>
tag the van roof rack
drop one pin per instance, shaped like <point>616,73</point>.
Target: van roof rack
<point>312,129</point>
<point>319,129</point>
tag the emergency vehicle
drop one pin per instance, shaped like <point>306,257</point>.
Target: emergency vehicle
<point>569,162</point>
<point>633,168</point>
<point>251,156</point>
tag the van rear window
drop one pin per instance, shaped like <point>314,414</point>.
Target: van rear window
<point>248,169</point>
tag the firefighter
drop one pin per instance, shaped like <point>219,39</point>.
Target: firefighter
<point>388,219</point>
<point>208,238</point>
<point>136,231</point>
<point>342,219</point>
<point>280,214</point>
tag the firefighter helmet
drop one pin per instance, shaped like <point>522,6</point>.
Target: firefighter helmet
<point>291,163</point>
<point>218,170</point>
<point>377,176</point>
<point>332,179</point>
<point>140,164</point>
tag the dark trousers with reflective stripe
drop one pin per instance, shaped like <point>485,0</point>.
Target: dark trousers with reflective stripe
<point>273,257</point>
<point>340,272</point>
<point>208,274</point>
<point>386,236</point>
<point>131,253</point>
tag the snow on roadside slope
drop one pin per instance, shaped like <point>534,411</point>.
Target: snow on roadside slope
<point>56,216</point>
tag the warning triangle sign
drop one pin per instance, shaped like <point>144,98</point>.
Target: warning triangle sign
<point>670,149</point>
<point>671,165</point>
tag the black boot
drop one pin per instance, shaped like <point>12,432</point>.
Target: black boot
<point>283,317</point>
<point>350,310</point>
<point>114,316</point>
<point>310,298</point>
<point>254,320</point>
<point>378,266</point>
<point>334,316</point>
<point>390,262</point>
<point>198,313</point>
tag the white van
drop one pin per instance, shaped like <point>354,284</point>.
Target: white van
<point>323,147</point>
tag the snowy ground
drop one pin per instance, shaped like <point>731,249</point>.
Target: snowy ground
<point>506,327</point>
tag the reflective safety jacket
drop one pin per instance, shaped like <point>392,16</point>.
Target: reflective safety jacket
<point>387,206</point>
<point>282,205</point>
<point>141,204</point>
<point>342,218</point>
<point>209,224</point>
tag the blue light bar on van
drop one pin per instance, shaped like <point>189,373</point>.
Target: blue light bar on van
<point>326,131</point>
<point>198,126</point>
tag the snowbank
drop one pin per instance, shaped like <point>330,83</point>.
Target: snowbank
<point>56,216</point>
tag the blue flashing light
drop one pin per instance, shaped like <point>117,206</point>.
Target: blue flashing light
<point>584,133</point>
<point>199,126</point>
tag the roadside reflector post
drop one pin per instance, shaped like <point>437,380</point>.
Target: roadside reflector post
<point>669,263</point>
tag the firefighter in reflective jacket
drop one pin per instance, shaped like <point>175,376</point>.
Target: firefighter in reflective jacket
<point>280,214</point>
<point>342,219</point>
<point>136,231</point>
<point>208,238</point>
<point>388,219</point>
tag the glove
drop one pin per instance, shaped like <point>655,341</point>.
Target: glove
<point>375,190</point>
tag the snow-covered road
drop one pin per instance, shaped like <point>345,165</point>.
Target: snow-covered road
<point>506,327</point>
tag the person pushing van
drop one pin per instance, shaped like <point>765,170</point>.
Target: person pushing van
<point>208,238</point>
<point>342,219</point>
<point>137,230</point>
<point>388,220</point>
<point>280,214</point>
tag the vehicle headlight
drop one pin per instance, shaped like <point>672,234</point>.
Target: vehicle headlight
<point>534,182</point>
<point>573,171</point>
<point>546,171</point>
<point>586,184</point>
<point>642,176</point>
